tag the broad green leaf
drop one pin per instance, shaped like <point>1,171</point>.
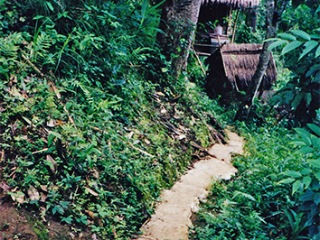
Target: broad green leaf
<point>317,52</point>
<point>290,216</point>
<point>305,135</point>
<point>64,204</point>
<point>315,143</point>
<point>308,98</point>
<point>245,195</point>
<point>57,209</point>
<point>287,36</point>
<point>316,198</point>
<point>316,78</point>
<point>158,5</point>
<point>286,181</point>
<point>307,196</point>
<point>298,143</point>
<point>164,70</point>
<point>314,163</point>
<point>306,181</point>
<point>296,101</point>
<point>315,36</point>
<point>295,186</point>
<point>272,39</point>
<point>276,44</point>
<point>314,128</point>
<point>301,34</point>
<point>291,46</point>
<point>38,17</point>
<point>67,220</point>
<point>313,70</point>
<point>145,5</point>
<point>305,171</point>
<point>53,135</point>
<point>293,174</point>
<point>306,150</point>
<point>308,47</point>
<point>50,6</point>
<point>317,174</point>
<point>57,135</point>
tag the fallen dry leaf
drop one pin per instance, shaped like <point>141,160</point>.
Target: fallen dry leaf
<point>33,193</point>
<point>90,214</point>
<point>94,237</point>
<point>52,164</point>
<point>2,155</point>
<point>147,141</point>
<point>92,192</point>
<point>43,197</point>
<point>5,187</point>
<point>95,173</point>
<point>51,123</point>
<point>44,188</point>
<point>18,197</point>
<point>160,94</point>
<point>130,134</point>
<point>40,151</point>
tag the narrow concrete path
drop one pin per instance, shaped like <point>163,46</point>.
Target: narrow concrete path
<point>171,220</point>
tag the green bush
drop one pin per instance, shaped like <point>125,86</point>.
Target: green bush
<point>305,182</point>
<point>87,139</point>
<point>254,204</point>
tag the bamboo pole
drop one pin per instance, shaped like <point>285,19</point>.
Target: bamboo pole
<point>234,27</point>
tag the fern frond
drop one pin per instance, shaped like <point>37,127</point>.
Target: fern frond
<point>86,91</point>
<point>39,49</point>
<point>9,45</point>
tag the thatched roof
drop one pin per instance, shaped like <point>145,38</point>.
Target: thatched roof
<point>240,62</point>
<point>232,67</point>
<point>232,3</point>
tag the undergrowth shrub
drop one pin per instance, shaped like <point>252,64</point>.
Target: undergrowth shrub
<point>85,138</point>
<point>305,182</point>
<point>255,204</point>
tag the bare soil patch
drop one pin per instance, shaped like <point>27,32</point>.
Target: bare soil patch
<point>22,225</point>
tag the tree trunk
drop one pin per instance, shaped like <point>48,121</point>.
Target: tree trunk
<point>271,23</point>
<point>178,22</point>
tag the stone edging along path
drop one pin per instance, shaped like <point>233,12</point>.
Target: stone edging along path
<point>171,219</point>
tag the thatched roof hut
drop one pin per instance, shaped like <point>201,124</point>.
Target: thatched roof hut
<point>232,67</point>
<point>212,10</point>
<point>219,13</point>
<point>232,3</point>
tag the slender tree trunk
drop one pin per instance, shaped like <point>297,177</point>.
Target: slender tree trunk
<point>178,22</point>
<point>271,23</point>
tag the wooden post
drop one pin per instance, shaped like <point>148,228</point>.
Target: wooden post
<point>234,27</point>
<point>229,27</point>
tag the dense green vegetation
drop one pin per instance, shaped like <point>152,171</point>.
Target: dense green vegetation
<point>93,125</point>
<point>297,49</point>
<point>90,131</point>
<point>276,193</point>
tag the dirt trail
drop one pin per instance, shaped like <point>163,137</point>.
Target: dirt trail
<point>171,219</point>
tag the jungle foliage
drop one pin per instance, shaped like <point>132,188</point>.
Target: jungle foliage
<point>86,137</point>
<point>276,194</point>
<point>302,92</point>
<point>94,125</point>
